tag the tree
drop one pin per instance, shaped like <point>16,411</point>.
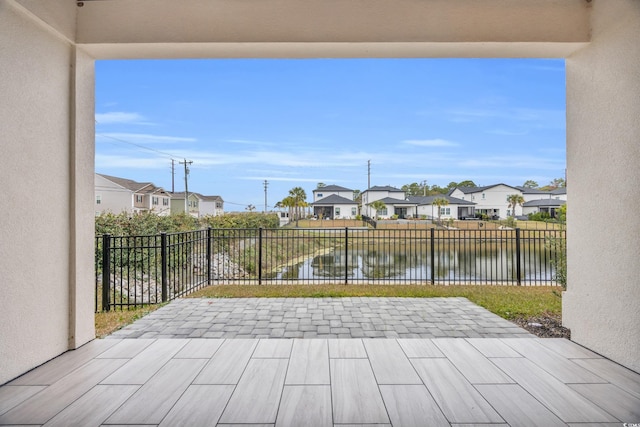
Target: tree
<point>467,183</point>
<point>415,189</point>
<point>299,196</point>
<point>514,200</point>
<point>378,205</point>
<point>439,202</point>
<point>250,208</point>
<point>288,203</point>
<point>530,184</point>
<point>555,184</point>
<point>321,184</point>
<point>436,189</point>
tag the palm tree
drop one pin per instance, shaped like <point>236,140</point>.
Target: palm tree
<point>514,200</point>
<point>299,196</point>
<point>289,203</point>
<point>439,202</point>
<point>378,205</point>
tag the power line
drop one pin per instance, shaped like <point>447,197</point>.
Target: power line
<point>137,145</point>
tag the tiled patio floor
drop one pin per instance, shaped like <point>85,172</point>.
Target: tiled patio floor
<point>325,382</point>
<point>322,318</point>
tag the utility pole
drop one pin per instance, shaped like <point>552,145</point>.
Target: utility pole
<point>368,174</point>
<point>424,187</point>
<point>186,184</point>
<point>173,175</point>
<point>266,184</point>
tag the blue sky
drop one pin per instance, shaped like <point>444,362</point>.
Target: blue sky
<point>300,122</point>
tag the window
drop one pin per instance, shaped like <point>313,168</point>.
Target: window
<point>218,205</point>
<point>382,211</point>
<point>482,196</point>
<point>154,200</point>
<point>165,202</point>
<point>319,195</point>
<point>138,198</point>
<point>354,211</point>
<point>337,211</point>
<point>98,199</point>
<point>445,211</point>
<point>508,212</point>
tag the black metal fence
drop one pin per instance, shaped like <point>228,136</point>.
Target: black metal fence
<point>138,270</point>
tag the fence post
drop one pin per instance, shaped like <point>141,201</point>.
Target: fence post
<point>433,255</point>
<point>518,266</point>
<point>346,255</point>
<point>208,256</point>
<point>260,256</point>
<point>106,272</point>
<point>163,262</point>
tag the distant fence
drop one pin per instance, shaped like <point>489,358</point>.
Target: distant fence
<point>139,270</point>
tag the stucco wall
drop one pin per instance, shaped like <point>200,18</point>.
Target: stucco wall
<point>38,268</point>
<point>602,302</point>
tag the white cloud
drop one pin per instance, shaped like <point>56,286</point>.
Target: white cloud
<point>431,142</point>
<point>120,117</point>
<point>144,138</point>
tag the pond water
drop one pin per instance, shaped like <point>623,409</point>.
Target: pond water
<point>455,265</point>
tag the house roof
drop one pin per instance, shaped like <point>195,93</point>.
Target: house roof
<point>333,199</point>
<point>469,190</point>
<point>384,188</point>
<point>544,203</point>
<point>392,201</point>
<point>210,198</point>
<point>559,190</point>
<point>332,188</point>
<point>528,190</point>
<point>428,200</point>
<point>180,195</point>
<point>129,184</point>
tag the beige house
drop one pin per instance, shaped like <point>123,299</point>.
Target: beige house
<point>178,204</point>
<point>113,194</point>
<point>47,117</point>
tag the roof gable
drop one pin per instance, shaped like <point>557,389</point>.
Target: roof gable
<point>334,199</point>
<point>332,188</point>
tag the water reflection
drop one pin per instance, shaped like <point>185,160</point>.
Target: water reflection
<point>487,264</point>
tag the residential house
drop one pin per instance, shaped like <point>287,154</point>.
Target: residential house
<point>547,205</point>
<point>178,204</point>
<point>211,205</point>
<point>334,201</point>
<point>116,195</point>
<point>456,209</point>
<point>490,200</point>
<point>543,201</point>
<point>393,198</point>
<point>328,190</point>
<point>335,207</point>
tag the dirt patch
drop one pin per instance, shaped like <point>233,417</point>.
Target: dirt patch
<point>546,326</point>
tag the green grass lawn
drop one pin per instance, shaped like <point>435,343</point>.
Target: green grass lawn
<point>509,302</point>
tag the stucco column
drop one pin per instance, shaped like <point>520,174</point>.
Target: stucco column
<point>81,215</point>
<point>602,302</point>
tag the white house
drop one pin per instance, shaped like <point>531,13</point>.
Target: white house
<point>116,195</point>
<point>328,190</point>
<point>490,200</point>
<point>334,201</point>
<point>211,205</point>
<point>456,209</point>
<point>335,207</point>
<point>390,196</point>
<point>549,206</point>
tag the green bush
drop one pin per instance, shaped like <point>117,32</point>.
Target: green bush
<point>539,216</point>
